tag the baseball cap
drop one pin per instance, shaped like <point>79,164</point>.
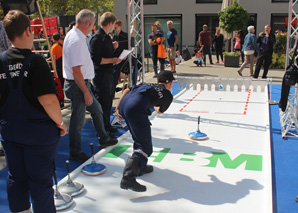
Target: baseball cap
<point>205,25</point>
<point>165,76</point>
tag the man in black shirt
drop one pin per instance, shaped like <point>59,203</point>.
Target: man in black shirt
<point>134,106</point>
<point>104,56</point>
<point>266,41</point>
<point>30,120</point>
<point>122,38</point>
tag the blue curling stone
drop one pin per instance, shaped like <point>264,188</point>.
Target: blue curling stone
<point>94,169</point>
<point>197,135</point>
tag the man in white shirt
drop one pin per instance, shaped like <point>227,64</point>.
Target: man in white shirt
<point>78,71</point>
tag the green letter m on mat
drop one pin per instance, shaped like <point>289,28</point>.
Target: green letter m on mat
<point>253,162</point>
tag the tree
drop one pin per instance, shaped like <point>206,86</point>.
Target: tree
<point>233,18</point>
<point>72,7</point>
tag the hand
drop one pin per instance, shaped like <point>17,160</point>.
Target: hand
<point>261,34</point>
<point>118,114</point>
<point>88,98</point>
<point>63,130</point>
<point>116,60</point>
<point>115,44</point>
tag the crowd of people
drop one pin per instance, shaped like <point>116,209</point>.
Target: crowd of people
<point>88,69</point>
<point>31,122</point>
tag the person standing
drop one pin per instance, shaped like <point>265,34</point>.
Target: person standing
<point>172,39</point>
<point>161,55</point>
<point>250,47</point>
<point>31,123</point>
<point>4,45</point>
<point>205,40</point>
<point>218,44</point>
<point>134,106</point>
<point>152,40</point>
<point>104,53</point>
<point>266,41</point>
<point>78,71</point>
<point>238,45</point>
<point>57,51</point>
<point>122,39</point>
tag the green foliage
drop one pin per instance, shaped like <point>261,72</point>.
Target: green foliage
<point>72,7</point>
<point>281,43</point>
<point>232,53</point>
<point>233,18</point>
<point>278,61</point>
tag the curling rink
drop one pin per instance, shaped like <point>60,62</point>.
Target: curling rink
<point>229,172</point>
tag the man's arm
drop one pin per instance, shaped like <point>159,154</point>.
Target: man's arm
<point>51,105</point>
<point>79,79</point>
<point>176,40</point>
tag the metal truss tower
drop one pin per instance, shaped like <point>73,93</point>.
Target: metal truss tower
<point>288,119</point>
<point>136,34</point>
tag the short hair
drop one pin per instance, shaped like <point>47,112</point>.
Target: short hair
<point>153,25</point>
<point>250,28</point>
<point>107,18</point>
<point>15,23</point>
<point>169,22</point>
<point>56,36</point>
<point>118,22</point>
<point>84,15</point>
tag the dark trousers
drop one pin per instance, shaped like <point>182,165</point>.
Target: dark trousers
<point>264,58</point>
<point>59,71</point>
<point>116,74</point>
<point>132,109</point>
<point>104,93</point>
<point>206,50</point>
<point>218,50</point>
<point>31,170</point>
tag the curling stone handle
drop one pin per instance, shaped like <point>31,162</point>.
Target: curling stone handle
<point>199,118</point>
<point>55,178</point>
<point>92,148</point>
<point>67,166</point>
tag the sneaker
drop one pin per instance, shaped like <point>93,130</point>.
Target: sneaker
<point>82,157</point>
<point>110,142</point>
<point>155,76</point>
<point>211,62</point>
<point>223,62</point>
<point>173,71</point>
<point>239,73</point>
<point>217,62</point>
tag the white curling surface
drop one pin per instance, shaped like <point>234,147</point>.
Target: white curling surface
<point>188,186</point>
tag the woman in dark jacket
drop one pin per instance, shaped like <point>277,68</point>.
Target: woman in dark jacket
<point>218,43</point>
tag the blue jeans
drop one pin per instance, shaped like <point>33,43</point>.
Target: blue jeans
<point>77,119</point>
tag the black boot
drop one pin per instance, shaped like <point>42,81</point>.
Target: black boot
<point>147,170</point>
<point>130,172</point>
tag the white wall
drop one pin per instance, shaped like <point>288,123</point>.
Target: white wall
<point>189,9</point>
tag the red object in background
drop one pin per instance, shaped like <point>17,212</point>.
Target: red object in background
<point>51,25</point>
<point>293,22</point>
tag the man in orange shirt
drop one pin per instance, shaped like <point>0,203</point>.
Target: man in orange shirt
<point>56,51</point>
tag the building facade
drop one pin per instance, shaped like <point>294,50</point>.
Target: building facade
<point>190,15</point>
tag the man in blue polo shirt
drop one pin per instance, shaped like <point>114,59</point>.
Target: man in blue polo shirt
<point>172,39</point>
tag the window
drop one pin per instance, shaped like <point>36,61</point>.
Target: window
<point>278,22</point>
<point>208,1</point>
<point>150,1</point>
<point>280,0</point>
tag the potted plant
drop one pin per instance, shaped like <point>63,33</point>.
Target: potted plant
<point>231,59</point>
<point>233,18</point>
